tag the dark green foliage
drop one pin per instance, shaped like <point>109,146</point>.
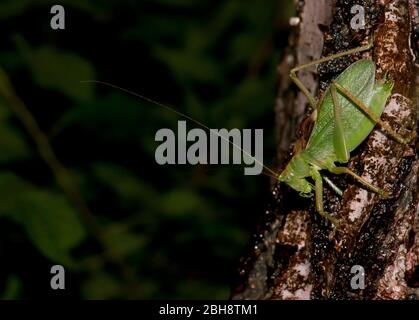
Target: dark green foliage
<point>180,228</point>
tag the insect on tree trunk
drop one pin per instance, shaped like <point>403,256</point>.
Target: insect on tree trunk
<point>295,254</point>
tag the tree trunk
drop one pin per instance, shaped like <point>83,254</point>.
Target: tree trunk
<point>295,253</point>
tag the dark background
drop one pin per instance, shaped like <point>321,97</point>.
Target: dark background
<point>180,229</point>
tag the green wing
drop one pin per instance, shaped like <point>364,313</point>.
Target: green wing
<point>359,79</point>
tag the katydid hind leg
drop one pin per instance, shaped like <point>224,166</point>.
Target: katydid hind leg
<point>373,117</point>
<point>293,73</point>
<point>368,185</point>
<point>339,142</point>
<point>311,100</point>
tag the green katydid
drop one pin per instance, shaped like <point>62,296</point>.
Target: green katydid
<point>346,115</point>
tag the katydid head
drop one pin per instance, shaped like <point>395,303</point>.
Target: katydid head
<point>295,174</point>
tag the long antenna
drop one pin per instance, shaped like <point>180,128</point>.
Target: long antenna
<point>182,115</point>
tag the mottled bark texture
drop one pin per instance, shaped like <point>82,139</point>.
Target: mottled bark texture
<point>295,254</point>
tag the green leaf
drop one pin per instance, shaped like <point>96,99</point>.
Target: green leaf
<point>114,117</point>
<point>101,286</point>
<point>57,70</point>
<point>13,288</point>
<point>48,219</point>
<point>12,143</point>
<point>129,188</point>
<point>181,202</point>
<point>188,65</point>
<point>123,241</point>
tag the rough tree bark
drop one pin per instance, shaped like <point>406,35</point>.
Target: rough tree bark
<point>294,253</point>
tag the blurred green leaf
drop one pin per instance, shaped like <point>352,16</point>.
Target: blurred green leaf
<point>125,184</point>
<point>114,117</point>
<point>12,143</point>
<point>213,61</point>
<point>122,241</point>
<point>101,286</point>
<point>10,8</point>
<point>181,202</point>
<point>57,70</point>
<point>187,64</point>
<point>117,118</point>
<point>13,288</point>
<point>49,221</point>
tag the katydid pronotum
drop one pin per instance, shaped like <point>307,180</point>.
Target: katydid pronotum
<point>345,116</point>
